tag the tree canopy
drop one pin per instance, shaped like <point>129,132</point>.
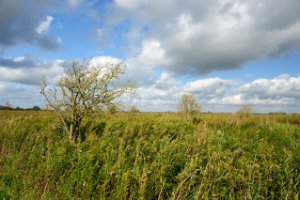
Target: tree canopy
<point>82,90</point>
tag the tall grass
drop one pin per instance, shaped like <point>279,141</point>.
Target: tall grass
<point>150,156</point>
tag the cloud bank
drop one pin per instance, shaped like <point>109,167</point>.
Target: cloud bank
<point>280,93</point>
<point>198,37</point>
<point>20,79</point>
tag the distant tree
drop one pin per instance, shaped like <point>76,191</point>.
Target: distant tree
<point>36,108</point>
<point>189,106</point>
<point>84,90</point>
<point>277,113</point>
<point>245,110</point>
<point>133,109</point>
<point>8,105</point>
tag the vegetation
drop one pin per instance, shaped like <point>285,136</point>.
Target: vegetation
<point>36,108</point>
<point>189,106</point>
<point>84,90</point>
<point>133,109</point>
<point>7,104</point>
<point>150,156</point>
<point>245,110</point>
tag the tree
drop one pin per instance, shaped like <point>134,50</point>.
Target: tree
<point>84,90</point>
<point>189,106</point>
<point>36,108</point>
<point>133,109</point>
<point>245,110</point>
<point>8,105</point>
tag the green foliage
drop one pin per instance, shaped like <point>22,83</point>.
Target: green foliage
<point>133,109</point>
<point>245,110</point>
<point>150,156</point>
<point>189,106</point>
<point>84,90</point>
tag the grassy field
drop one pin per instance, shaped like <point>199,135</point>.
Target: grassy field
<point>150,156</point>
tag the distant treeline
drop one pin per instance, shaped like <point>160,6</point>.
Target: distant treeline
<point>36,108</point>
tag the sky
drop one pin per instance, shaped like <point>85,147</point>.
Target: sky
<point>227,53</point>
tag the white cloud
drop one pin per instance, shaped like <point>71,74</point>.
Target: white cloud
<point>104,60</point>
<point>210,85</point>
<point>74,3</point>
<point>44,25</point>
<point>152,53</point>
<point>29,71</point>
<point>281,87</point>
<point>165,81</point>
<point>155,91</point>
<point>198,37</point>
<point>20,79</point>
<point>281,93</point>
<point>22,96</point>
<point>138,72</point>
<point>154,99</point>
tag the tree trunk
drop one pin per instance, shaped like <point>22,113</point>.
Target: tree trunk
<point>76,129</point>
<point>71,132</point>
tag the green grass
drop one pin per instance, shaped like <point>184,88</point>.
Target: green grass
<point>150,156</point>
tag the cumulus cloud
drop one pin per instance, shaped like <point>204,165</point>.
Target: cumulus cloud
<point>281,93</point>
<point>20,83</point>
<point>198,37</point>
<point>152,53</point>
<point>44,25</point>
<point>28,70</point>
<point>26,22</point>
<point>103,60</point>
<point>165,81</point>
<point>155,99</point>
<point>279,90</point>
<point>174,39</point>
<point>209,88</point>
<point>20,79</point>
<point>162,91</point>
<point>140,75</point>
<point>266,95</point>
<point>21,96</point>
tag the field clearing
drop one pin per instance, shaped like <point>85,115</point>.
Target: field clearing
<point>150,156</point>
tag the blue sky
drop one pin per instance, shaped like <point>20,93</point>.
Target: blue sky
<point>226,53</point>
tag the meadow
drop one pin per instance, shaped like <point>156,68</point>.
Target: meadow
<point>150,156</point>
